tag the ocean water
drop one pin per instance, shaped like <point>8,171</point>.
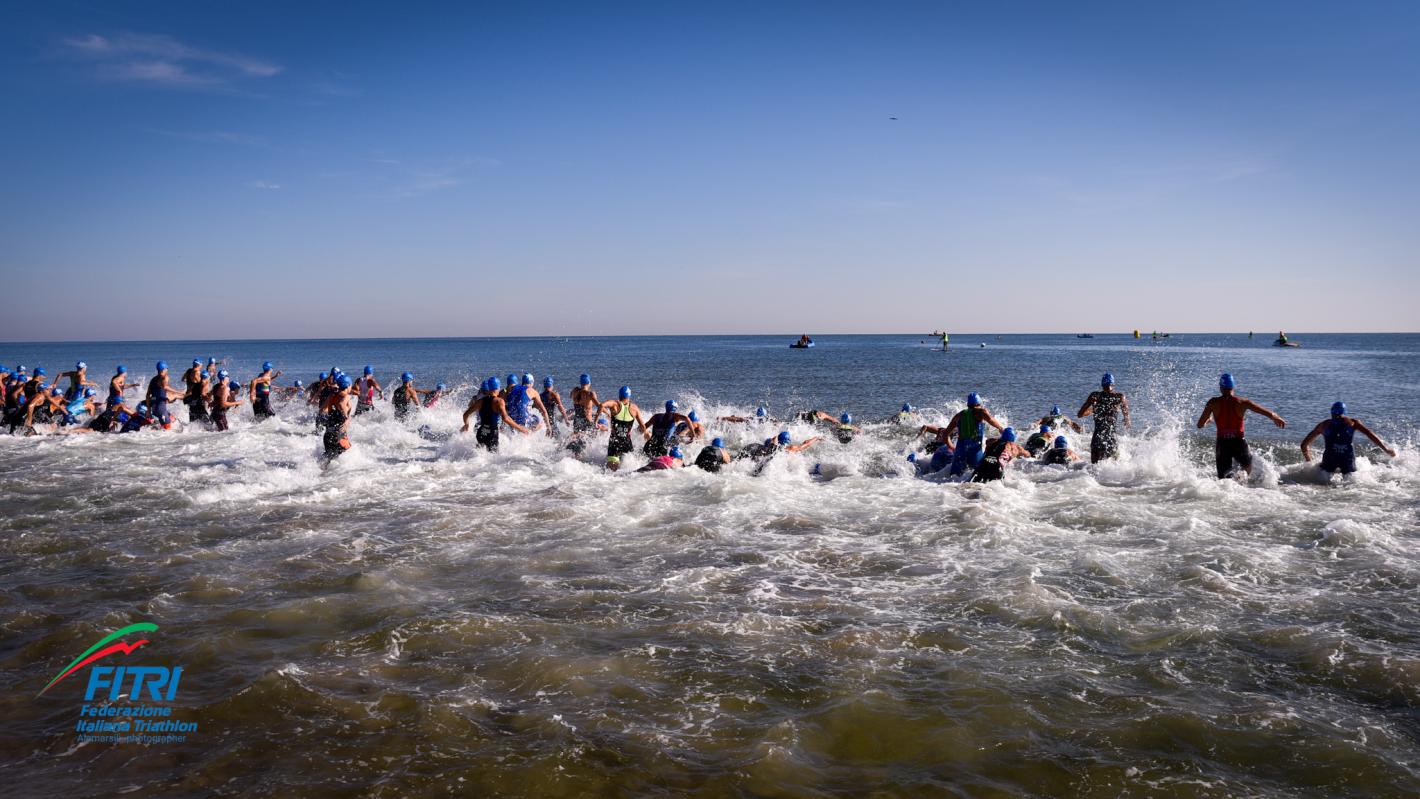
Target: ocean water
<point>424,618</point>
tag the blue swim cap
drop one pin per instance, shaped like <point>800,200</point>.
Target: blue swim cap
<point>221,374</point>
<point>1338,409</point>
<point>267,366</point>
<point>325,375</point>
<point>973,399</point>
<point>201,375</point>
<point>298,384</point>
<point>676,453</point>
<point>234,386</point>
<point>1061,443</point>
<point>585,379</point>
<point>906,408</point>
<point>440,387</point>
<point>846,418</point>
<point>4,368</point>
<point>784,437</point>
<point>1107,380</point>
<point>694,417</point>
<point>211,360</point>
<point>344,381</point>
<point>142,407</point>
<point>1045,428</point>
<point>1225,380</point>
<point>671,406</point>
<point>1054,410</point>
<point>1009,434</point>
<point>121,370</point>
<point>20,369</point>
<point>39,371</point>
<point>493,384</point>
<point>624,393</point>
<point>89,392</point>
<point>407,377</point>
<point>57,391</point>
<point>196,361</point>
<point>369,370</point>
<point>761,412</point>
<point>718,443</point>
<point>162,366</point>
<point>81,365</point>
<point>527,378</point>
<point>547,382</point>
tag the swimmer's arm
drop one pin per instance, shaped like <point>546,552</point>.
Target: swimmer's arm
<point>953,428</point>
<point>989,419</point>
<point>1088,408</point>
<point>1075,425</point>
<point>800,447</point>
<point>472,405</point>
<point>1124,407</point>
<point>1207,412</point>
<point>1307,442</point>
<point>1372,436</point>
<point>636,412</point>
<point>1255,408</point>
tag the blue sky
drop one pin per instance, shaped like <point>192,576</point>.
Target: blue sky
<point>199,170</point>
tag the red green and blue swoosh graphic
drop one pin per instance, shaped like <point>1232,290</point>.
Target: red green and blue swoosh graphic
<point>103,648</point>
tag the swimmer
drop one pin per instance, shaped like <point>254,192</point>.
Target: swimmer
<point>1337,434</point>
<point>622,412</point>
<point>491,409</point>
<point>969,428</point>
<point>336,410</point>
<point>1227,411</point>
<point>141,417</point>
<point>761,414</point>
<point>663,430</point>
<point>673,459</point>
<point>224,398</point>
<point>907,415</point>
<point>296,389</point>
<point>259,389</point>
<point>159,393</point>
<point>691,432</point>
<point>78,381</point>
<point>520,399</point>
<point>552,403</point>
<point>1105,405</point>
<point>195,398</point>
<point>435,395</point>
<point>713,457</point>
<point>189,375</point>
<point>1040,440</point>
<point>844,429</point>
<point>996,456</point>
<point>585,404</point>
<point>782,442</point>
<point>406,397</point>
<point>1059,453</point>
<point>113,415</point>
<point>1059,421</point>
<point>365,390</point>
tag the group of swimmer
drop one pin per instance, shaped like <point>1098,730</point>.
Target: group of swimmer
<point>952,449</point>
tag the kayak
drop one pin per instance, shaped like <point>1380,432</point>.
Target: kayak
<point>798,346</point>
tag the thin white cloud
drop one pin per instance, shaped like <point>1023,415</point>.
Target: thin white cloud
<point>159,60</point>
<point>422,181</point>
<point>262,184</point>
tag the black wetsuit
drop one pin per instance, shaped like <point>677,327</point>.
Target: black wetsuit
<point>489,420</point>
<point>1105,443</point>
<point>844,433</point>
<point>401,403</point>
<point>334,432</point>
<point>553,417</point>
<point>261,402</point>
<point>196,405</point>
<point>992,467</point>
<point>1037,442</point>
<point>710,459</point>
<point>619,442</point>
<point>662,434</point>
<point>1056,457</point>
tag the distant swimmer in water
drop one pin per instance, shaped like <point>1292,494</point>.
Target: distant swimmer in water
<point>996,456</point>
<point>159,393</point>
<point>1059,454</point>
<point>224,398</point>
<point>1337,434</point>
<point>1059,421</point>
<point>673,459</point>
<point>521,399</point>
<point>117,385</point>
<point>1105,405</point>
<point>110,417</point>
<point>781,443</point>
<point>336,411</point>
<point>1040,440</point>
<point>293,391</point>
<point>585,405</point>
<point>692,431</point>
<point>434,396</point>
<point>622,412</point>
<point>141,417</point>
<point>366,389</point>
<point>552,403</point>
<point>406,397</point>
<point>713,457</point>
<point>969,426</point>
<point>844,429</point>
<point>908,415</point>
<point>259,389</point>
<point>761,414</point>
<point>940,448</point>
<point>1227,412</point>
<point>78,381</point>
<point>491,410</point>
<point>663,430</point>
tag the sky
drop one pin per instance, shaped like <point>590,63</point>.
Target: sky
<point>314,170</point>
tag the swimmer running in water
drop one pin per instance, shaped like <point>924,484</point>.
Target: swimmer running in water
<point>365,390</point>
<point>713,457</point>
<point>1227,411</point>
<point>224,398</point>
<point>521,399</point>
<point>78,381</point>
<point>335,408</point>
<point>406,397</point>
<point>1105,405</point>
<point>663,430</point>
<point>585,404</point>
<point>1337,434</point>
<point>969,427</point>
<point>622,412</point>
<point>491,409</point>
<point>159,393</point>
<point>552,404</point>
<point>259,389</point>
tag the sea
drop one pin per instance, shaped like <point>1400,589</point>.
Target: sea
<point>425,618</point>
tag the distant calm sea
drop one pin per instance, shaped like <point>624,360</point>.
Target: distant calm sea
<point>427,619</point>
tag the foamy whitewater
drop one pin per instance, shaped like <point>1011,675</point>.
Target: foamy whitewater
<point>425,618</point>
